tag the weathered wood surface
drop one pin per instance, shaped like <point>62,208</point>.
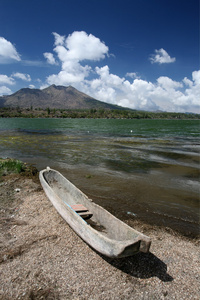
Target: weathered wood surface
<point>116,239</point>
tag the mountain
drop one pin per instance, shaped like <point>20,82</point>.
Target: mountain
<point>53,97</point>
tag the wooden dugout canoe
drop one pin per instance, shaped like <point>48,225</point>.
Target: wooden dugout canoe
<point>95,225</point>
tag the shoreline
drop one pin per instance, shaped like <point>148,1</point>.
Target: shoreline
<point>41,256</point>
<point>101,186</point>
<point>99,113</point>
<point>149,173</point>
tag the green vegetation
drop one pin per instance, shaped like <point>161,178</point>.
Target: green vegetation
<point>8,166</point>
<point>7,112</point>
<point>15,166</point>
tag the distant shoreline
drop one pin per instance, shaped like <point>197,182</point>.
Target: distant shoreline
<point>7,112</point>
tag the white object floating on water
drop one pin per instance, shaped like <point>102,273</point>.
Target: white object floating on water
<point>131,213</point>
<point>131,130</point>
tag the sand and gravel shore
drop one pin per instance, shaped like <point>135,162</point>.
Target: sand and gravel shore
<point>42,258</point>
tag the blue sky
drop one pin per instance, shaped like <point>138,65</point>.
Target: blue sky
<point>142,54</point>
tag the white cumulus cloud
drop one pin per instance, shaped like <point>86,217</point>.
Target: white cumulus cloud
<point>8,52</point>
<point>132,75</point>
<point>164,94</point>
<point>22,76</point>
<point>32,86</point>
<point>168,84</point>
<point>173,96</point>
<point>4,90</point>
<point>79,46</point>
<point>188,82</point>
<point>59,39</point>
<point>71,51</point>
<point>82,46</point>
<point>50,58</point>
<point>72,73</point>
<point>116,90</point>
<point>4,79</point>
<point>196,77</point>
<point>161,57</point>
<point>78,50</point>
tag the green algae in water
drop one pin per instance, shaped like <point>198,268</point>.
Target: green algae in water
<point>138,166</point>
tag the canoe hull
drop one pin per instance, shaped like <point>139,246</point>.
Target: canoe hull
<point>116,239</point>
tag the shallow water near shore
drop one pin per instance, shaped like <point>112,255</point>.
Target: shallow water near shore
<point>137,169</point>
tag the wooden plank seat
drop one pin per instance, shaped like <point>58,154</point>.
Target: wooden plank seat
<point>82,211</point>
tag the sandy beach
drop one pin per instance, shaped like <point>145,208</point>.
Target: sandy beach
<point>41,257</point>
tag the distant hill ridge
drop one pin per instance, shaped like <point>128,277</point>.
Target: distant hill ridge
<point>53,97</point>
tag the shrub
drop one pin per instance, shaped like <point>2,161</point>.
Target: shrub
<point>8,166</point>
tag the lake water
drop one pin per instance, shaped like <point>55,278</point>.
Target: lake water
<point>137,169</point>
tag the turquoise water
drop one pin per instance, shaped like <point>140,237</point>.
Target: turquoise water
<point>109,127</point>
<point>147,169</point>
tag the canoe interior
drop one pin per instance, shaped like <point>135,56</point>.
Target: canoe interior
<point>102,220</point>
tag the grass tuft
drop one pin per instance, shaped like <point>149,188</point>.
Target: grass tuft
<point>14,166</point>
<point>9,166</point>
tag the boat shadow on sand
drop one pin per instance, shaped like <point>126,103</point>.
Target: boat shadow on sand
<point>141,265</point>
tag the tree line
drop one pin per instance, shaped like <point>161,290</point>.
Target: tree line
<point>8,112</point>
